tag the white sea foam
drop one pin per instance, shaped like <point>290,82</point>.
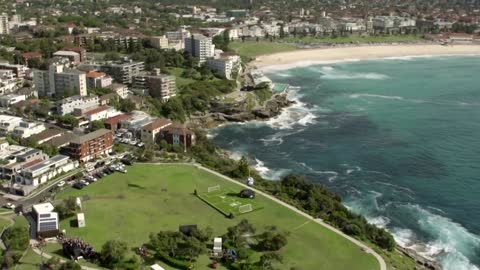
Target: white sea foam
<point>375,96</point>
<point>277,138</point>
<point>379,221</point>
<point>268,173</point>
<point>403,237</point>
<point>354,76</point>
<point>299,113</point>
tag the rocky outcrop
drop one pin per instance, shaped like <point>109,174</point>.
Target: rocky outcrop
<point>421,261</point>
<point>221,113</point>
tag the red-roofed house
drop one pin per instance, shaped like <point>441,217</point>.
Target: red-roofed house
<point>178,134</point>
<point>29,56</point>
<point>96,79</point>
<point>150,132</point>
<point>113,123</point>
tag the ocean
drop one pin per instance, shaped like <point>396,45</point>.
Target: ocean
<point>397,138</point>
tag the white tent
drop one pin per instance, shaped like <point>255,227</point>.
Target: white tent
<point>81,220</point>
<point>217,246</point>
<point>250,181</point>
<point>156,267</point>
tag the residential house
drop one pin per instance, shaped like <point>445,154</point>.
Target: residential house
<point>150,132</point>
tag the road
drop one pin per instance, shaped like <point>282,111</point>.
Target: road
<point>367,249</point>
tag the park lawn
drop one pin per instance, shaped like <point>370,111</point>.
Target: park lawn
<point>227,201</point>
<point>4,223</point>
<point>150,198</point>
<point>352,39</point>
<point>179,80</point>
<point>248,50</point>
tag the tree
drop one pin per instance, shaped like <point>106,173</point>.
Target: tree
<point>70,265</point>
<point>167,242</point>
<point>53,263</point>
<point>191,248</point>
<point>113,252</point>
<point>126,105</point>
<point>268,260</point>
<point>96,125</point>
<point>16,238</point>
<point>67,208</point>
<point>272,239</point>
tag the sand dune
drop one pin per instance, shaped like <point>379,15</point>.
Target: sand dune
<point>324,55</point>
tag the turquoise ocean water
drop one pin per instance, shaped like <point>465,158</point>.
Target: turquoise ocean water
<point>398,139</point>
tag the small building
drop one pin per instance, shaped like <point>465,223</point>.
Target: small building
<point>178,134</point>
<point>46,220</point>
<point>114,123</point>
<point>73,57</point>
<point>96,79</point>
<point>80,220</point>
<point>217,250</point>
<point>150,132</point>
<point>27,129</point>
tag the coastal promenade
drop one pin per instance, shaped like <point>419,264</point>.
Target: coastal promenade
<point>365,248</point>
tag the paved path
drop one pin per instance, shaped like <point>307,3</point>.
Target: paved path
<point>367,249</point>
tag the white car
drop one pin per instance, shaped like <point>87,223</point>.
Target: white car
<point>61,184</point>
<point>9,206</point>
<point>85,183</point>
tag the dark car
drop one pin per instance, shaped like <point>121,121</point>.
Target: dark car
<point>99,164</point>
<point>107,171</point>
<point>99,175</point>
<point>78,185</point>
<point>247,193</point>
<point>126,161</point>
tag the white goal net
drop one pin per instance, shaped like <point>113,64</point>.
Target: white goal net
<point>245,208</point>
<point>214,188</point>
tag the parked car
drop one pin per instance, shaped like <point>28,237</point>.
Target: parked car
<point>61,184</point>
<point>99,164</point>
<point>107,171</point>
<point>99,175</point>
<point>126,161</point>
<point>9,206</point>
<point>140,144</point>
<point>85,183</point>
<point>78,185</point>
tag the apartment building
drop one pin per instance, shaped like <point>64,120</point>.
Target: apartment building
<point>16,157</point>
<point>7,100</point>
<point>41,172</point>
<point>99,113</point>
<point>97,79</point>
<point>90,146</point>
<point>159,42</point>
<point>122,72</point>
<point>4,28</point>
<point>225,65</point>
<point>200,46</point>
<point>28,128</point>
<point>8,82</point>
<point>150,133</point>
<point>57,80</point>
<point>156,84</point>
<point>18,70</point>
<point>8,123</point>
<point>81,51</point>
<point>74,57</point>
<point>178,134</point>
<point>68,105</point>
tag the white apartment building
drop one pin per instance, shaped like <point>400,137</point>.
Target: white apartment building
<point>58,79</point>
<point>43,171</point>
<point>225,65</point>
<point>8,81</point>
<point>18,70</point>
<point>180,35</point>
<point>27,129</point>
<point>68,105</point>
<point>4,28</point>
<point>97,79</point>
<point>7,100</point>
<point>8,123</point>
<point>200,46</point>
<point>99,113</point>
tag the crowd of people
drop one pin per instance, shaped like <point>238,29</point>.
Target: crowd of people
<point>76,247</point>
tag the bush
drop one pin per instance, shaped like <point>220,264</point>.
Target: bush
<point>16,238</point>
<point>182,265</point>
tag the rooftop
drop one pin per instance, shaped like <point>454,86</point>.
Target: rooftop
<point>90,136</point>
<point>43,208</point>
<point>158,123</point>
<point>46,134</point>
<point>96,110</point>
<point>117,119</point>
<point>95,74</point>
<point>69,53</point>
<point>46,163</point>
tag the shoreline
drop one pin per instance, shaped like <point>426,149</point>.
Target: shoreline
<point>329,55</point>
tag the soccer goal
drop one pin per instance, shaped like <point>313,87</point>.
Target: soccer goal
<point>214,188</point>
<point>245,208</point>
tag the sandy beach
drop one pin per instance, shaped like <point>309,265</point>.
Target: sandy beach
<point>306,57</point>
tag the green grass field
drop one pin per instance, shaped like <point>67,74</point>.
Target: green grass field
<point>179,80</point>
<point>251,49</point>
<point>227,201</point>
<point>352,39</point>
<point>150,198</point>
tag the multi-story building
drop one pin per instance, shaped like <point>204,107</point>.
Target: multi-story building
<point>18,70</point>
<point>4,28</point>
<point>121,72</point>
<point>90,146</point>
<point>68,105</point>
<point>159,42</point>
<point>158,85</point>
<point>41,172</point>
<point>47,220</point>
<point>74,57</point>
<point>57,80</point>
<point>99,113</point>
<point>27,129</point>
<point>7,100</point>
<point>200,46</point>
<point>16,158</point>
<point>97,79</point>
<point>150,133</point>
<point>81,51</point>
<point>8,81</point>
<point>8,123</point>
<point>178,134</point>
<point>225,65</point>
<point>179,35</point>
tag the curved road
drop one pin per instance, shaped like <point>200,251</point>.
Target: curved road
<point>367,249</point>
